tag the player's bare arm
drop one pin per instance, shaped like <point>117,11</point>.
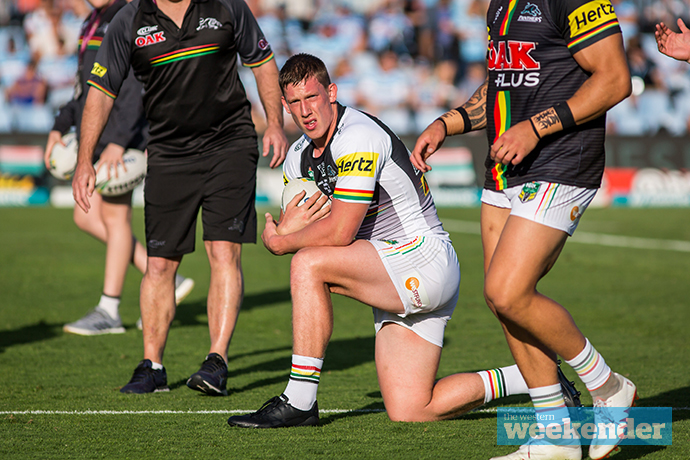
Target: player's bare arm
<point>96,112</point>
<point>672,44</point>
<point>608,84</point>
<point>338,228</point>
<point>266,76</point>
<point>471,116</point>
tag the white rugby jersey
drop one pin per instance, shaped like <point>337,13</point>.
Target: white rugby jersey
<point>365,162</point>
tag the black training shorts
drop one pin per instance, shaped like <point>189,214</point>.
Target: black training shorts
<point>222,184</point>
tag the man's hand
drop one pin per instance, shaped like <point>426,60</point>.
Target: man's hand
<point>275,136</point>
<point>427,143</point>
<point>672,44</point>
<point>110,158</point>
<point>54,137</point>
<point>295,217</point>
<point>515,144</point>
<point>83,184</point>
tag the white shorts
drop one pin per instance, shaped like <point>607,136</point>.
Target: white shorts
<point>426,274</point>
<point>554,205</point>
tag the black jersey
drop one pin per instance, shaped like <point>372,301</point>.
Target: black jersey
<point>531,67</point>
<point>127,123</point>
<point>193,96</point>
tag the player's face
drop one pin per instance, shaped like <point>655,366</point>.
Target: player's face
<point>313,108</point>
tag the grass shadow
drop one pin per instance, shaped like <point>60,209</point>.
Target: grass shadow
<point>187,313</point>
<point>29,334</point>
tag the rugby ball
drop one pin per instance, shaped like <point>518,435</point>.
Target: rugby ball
<point>295,186</point>
<point>124,181</point>
<point>63,158</point>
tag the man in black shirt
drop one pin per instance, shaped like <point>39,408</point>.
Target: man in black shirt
<point>202,154</point>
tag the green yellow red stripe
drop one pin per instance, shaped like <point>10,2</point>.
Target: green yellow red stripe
<point>93,43</point>
<point>403,248</point>
<point>261,62</point>
<point>501,113</point>
<point>99,87</point>
<point>498,174</point>
<point>590,34</point>
<point>186,53</point>
<point>508,17</point>
<point>348,194</point>
<point>546,200</point>
<point>305,373</point>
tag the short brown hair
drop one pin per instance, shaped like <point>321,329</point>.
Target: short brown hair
<point>300,67</point>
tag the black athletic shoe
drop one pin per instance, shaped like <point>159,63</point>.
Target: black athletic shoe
<point>277,413</point>
<point>211,378</point>
<point>570,393</point>
<point>146,379</point>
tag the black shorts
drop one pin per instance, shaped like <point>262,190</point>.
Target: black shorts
<point>222,184</point>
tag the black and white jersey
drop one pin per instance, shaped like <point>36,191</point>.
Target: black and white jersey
<point>365,162</point>
<point>193,96</point>
<point>531,67</point>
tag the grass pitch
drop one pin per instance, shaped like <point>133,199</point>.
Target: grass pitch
<point>59,393</point>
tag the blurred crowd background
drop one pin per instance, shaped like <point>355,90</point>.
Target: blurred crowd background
<point>405,61</point>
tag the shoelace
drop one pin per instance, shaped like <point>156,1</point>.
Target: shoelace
<point>211,365</point>
<point>268,405</point>
<point>142,373</point>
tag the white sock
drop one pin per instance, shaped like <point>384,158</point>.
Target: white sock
<point>590,367</point>
<point>304,381</point>
<point>501,382</point>
<point>111,305</point>
<point>156,366</point>
<point>178,279</point>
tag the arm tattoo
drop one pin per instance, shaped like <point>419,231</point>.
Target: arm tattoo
<point>546,119</point>
<point>476,108</point>
<point>474,116</point>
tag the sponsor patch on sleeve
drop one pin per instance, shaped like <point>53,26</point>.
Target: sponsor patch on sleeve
<point>591,18</point>
<point>98,70</point>
<point>358,164</point>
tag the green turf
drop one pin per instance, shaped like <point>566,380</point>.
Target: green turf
<point>631,303</point>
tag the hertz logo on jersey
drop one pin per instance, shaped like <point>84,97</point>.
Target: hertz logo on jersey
<point>592,16</point>
<point>98,70</point>
<point>358,164</point>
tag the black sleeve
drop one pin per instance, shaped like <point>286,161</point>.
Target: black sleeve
<point>584,22</point>
<point>125,122</point>
<point>66,117</point>
<point>252,46</point>
<point>112,61</point>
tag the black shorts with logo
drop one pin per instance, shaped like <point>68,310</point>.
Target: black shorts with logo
<point>221,183</point>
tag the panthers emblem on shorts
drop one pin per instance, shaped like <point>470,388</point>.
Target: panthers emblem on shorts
<point>529,191</point>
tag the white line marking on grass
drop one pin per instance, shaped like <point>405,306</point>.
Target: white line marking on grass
<point>205,412</point>
<point>601,239</point>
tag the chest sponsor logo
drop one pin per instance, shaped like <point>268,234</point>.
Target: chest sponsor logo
<point>146,30</point>
<point>531,13</point>
<point>514,62</point>
<point>150,39</point>
<point>98,70</point>
<point>358,164</point>
<point>209,23</point>
<point>590,16</point>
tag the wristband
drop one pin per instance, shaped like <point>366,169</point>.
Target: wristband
<point>534,128</point>
<point>565,115</point>
<point>450,120</point>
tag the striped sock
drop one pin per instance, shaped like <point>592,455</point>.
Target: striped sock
<point>590,367</point>
<point>304,381</point>
<point>503,381</point>
<point>549,404</point>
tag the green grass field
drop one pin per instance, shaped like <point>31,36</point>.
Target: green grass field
<point>59,393</point>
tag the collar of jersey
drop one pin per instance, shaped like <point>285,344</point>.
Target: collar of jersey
<point>148,6</point>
